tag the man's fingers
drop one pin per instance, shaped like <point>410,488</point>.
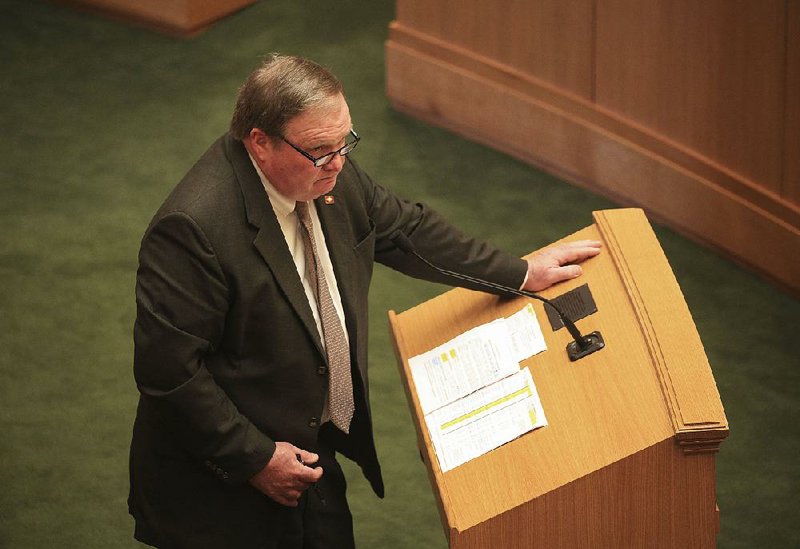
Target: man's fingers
<point>577,251</point>
<point>554,275</point>
<point>559,263</point>
<point>583,244</point>
<point>286,476</point>
<point>587,243</point>
<point>568,271</point>
<point>288,499</point>
<point>310,475</point>
<point>289,494</point>
<point>307,458</point>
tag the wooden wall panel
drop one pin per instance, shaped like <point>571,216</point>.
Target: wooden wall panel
<point>176,17</point>
<point>581,151</point>
<point>791,149</point>
<point>707,74</point>
<point>539,29</point>
<point>688,109</point>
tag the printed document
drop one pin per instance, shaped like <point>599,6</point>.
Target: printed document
<point>473,394</point>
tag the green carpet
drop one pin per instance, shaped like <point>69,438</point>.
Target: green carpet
<point>99,120</point>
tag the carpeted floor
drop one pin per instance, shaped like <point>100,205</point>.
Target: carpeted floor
<point>100,120</point>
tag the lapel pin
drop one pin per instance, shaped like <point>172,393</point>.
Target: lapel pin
<point>329,199</point>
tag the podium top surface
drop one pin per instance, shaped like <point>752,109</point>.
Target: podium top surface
<point>651,382</point>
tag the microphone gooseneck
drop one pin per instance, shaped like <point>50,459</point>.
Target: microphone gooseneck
<point>577,349</point>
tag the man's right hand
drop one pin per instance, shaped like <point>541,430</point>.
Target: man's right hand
<point>285,478</point>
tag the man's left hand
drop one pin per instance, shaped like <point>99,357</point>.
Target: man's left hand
<point>558,263</point>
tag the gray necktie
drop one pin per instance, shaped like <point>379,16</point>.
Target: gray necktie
<point>340,391</point>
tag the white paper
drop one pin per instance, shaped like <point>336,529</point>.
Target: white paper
<point>472,392</point>
<point>485,420</point>
<point>526,334</point>
<point>464,364</point>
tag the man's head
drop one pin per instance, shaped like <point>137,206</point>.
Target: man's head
<point>280,89</point>
<point>290,109</point>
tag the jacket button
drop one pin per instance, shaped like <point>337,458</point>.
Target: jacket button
<point>313,422</point>
<point>322,370</point>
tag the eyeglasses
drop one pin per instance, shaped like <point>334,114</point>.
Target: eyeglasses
<point>324,159</point>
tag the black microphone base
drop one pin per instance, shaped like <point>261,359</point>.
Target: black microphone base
<point>592,342</point>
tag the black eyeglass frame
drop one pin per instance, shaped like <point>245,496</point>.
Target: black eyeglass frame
<point>326,158</point>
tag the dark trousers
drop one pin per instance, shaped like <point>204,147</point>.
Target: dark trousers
<point>311,525</point>
<point>322,520</point>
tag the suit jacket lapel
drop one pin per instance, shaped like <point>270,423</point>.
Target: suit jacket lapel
<point>270,241</point>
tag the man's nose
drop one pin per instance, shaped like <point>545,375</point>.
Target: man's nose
<point>336,163</point>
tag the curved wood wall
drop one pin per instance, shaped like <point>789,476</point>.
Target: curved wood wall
<point>689,109</point>
<point>183,18</point>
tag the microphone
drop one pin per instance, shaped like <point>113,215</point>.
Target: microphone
<point>581,345</point>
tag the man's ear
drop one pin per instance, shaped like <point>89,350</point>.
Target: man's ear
<point>259,145</point>
<point>259,140</point>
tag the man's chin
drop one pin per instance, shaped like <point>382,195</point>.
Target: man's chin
<point>325,186</point>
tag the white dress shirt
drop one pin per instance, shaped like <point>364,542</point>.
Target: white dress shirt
<point>289,222</point>
<point>290,225</point>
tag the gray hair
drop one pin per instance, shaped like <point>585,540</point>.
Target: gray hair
<point>277,91</point>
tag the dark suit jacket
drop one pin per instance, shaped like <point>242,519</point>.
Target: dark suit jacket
<point>227,356</point>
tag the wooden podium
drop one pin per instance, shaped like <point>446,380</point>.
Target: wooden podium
<point>627,457</point>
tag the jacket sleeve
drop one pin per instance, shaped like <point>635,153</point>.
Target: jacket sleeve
<point>437,240</point>
<point>182,300</point>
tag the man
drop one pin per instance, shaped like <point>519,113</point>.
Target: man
<point>251,328</point>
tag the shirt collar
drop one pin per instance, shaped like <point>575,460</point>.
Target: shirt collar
<point>282,205</point>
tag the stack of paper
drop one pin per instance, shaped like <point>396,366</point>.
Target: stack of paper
<point>473,394</point>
